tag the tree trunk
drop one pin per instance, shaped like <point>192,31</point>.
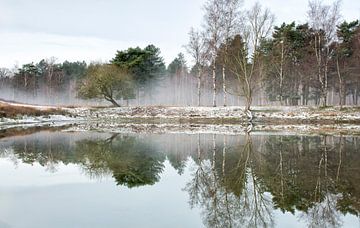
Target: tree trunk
<point>248,94</point>
<point>325,89</point>
<point>340,83</point>
<point>110,99</point>
<point>224,84</point>
<point>214,83</point>
<point>281,74</point>
<point>199,87</point>
<point>138,96</point>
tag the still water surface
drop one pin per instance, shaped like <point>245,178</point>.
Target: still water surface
<point>91,179</point>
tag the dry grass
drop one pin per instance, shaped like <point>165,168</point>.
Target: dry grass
<point>11,111</point>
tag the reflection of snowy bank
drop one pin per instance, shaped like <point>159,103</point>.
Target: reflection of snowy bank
<point>230,129</point>
<point>37,121</point>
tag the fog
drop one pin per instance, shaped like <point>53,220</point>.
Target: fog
<point>169,91</point>
<point>166,91</point>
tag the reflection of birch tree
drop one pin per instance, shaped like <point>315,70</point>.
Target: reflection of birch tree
<point>324,212</point>
<point>228,190</point>
<point>307,174</point>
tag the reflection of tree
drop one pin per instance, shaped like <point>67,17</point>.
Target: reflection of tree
<point>43,150</point>
<point>131,162</point>
<point>226,187</point>
<point>236,181</point>
<point>311,174</point>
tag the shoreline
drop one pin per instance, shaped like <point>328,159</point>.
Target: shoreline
<point>221,115</point>
<point>28,115</point>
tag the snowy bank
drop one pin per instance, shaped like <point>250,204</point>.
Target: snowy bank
<point>220,115</point>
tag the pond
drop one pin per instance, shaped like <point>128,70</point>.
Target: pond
<point>63,178</point>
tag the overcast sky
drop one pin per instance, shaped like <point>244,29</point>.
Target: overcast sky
<point>95,29</point>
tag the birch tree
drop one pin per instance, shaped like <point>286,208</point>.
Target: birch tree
<point>198,51</point>
<point>213,29</point>
<point>230,19</point>
<point>323,20</point>
<point>255,26</point>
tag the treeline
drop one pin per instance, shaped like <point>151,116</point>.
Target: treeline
<point>239,57</point>
<point>290,64</point>
<point>129,74</point>
<point>44,82</point>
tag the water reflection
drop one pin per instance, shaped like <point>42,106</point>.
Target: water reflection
<point>131,162</point>
<point>236,181</point>
<point>226,186</point>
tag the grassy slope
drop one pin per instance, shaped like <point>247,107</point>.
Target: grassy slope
<point>12,111</point>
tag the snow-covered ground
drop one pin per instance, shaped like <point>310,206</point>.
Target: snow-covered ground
<point>21,120</point>
<point>193,119</point>
<point>261,114</point>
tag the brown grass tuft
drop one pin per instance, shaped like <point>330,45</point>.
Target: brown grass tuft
<point>11,111</point>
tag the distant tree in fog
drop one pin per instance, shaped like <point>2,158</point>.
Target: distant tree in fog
<point>198,50</point>
<point>343,54</point>
<point>106,81</point>
<point>179,77</point>
<point>178,65</point>
<point>74,69</point>
<point>5,73</point>
<point>146,65</point>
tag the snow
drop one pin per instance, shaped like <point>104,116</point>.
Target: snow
<point>160,119</point>
<point>29,121</point>
<point>261,114</point>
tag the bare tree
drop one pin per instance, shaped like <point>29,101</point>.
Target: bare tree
<point>242,62</point>
<point>198,51</point>
<point>323,20</point>
<point>5,74</point>
<point>213,30</point>
<point>230,19</point>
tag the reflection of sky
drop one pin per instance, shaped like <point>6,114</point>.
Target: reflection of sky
<point>33,197</point>
<point>290,220</point>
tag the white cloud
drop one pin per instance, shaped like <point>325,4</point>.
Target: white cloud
<point>92,30</point>
<point>20,48</point>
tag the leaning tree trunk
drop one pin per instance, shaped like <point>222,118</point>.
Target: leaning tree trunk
<point>113,101</point>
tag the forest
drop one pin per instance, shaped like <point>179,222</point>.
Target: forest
<point>238,57</point>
